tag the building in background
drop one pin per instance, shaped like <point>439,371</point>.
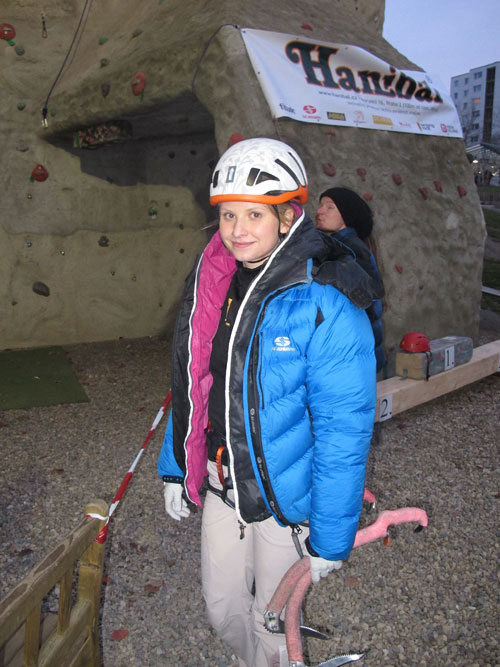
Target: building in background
<point>477,98</point>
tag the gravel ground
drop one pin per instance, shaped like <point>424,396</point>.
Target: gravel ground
<point>430,598</point>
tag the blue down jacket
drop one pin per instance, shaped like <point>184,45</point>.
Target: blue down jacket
<point>300,392</point>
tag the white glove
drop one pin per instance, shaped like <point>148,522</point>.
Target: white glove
<point>320,567</point>
<point>175,505</point>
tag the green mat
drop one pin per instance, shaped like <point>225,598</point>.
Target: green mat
<point>33,378</point>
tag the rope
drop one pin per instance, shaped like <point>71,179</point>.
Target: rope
<point>45,106</point>
<point>205,50</point>
<point>101,538</point>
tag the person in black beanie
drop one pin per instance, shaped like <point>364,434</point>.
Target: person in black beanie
<point>348,220</point>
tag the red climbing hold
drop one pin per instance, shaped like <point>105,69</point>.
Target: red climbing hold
<point>234,138</point>
<point>7,31</point>
<point>397,179</point>
<point>461,190</point>
<point>399,268</point>
<point>138,83</point>
<point>39,173</point>
<point>329,169</point>
<point>361,172</point>
<point>306,26</point>
<point>367,196</point>
<point>438,186</point>
<point>424,193</point>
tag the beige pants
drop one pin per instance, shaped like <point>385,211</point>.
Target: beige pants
<point>229,568</point>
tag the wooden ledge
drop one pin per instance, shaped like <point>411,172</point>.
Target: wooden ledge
<point>396,394</point>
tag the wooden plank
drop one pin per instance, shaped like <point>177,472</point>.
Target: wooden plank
<point>32,636</point>
<point>398,394</point>
<point>65,600</point>
<point>60,650</point>
<point>15,607</point>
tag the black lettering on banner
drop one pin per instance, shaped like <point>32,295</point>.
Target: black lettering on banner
<point>314,59</point>
<point>347,80</point>
<point>374,76</point>
<point>309,65</point>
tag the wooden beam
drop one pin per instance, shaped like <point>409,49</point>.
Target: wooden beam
<point>396,394</point>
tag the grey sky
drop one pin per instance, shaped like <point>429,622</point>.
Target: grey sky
<point>445,37</point>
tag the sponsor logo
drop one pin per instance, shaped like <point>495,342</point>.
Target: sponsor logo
<point>425,127</point>
<point>359,117</point>
<point>285,107</point>
<point>309,109</point>
<point>452,129</point>
<point>404,123</point>
<point>381,120</point>
<point>444,127</point>
<point>282,344</point>
<point>335,115</point>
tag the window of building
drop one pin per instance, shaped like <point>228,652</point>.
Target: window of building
<point>477,88</point>
<point>475,126</point>
<point>466,80</point>
<point>455,95</point>
<point>475,114</point>
<point>475,137</point>
<point>466,92</point>
<point>478,75</point>
<point>476,100</point>
<point>465,105</point>
<point>456,82</point>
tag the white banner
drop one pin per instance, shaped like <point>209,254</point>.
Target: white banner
<point>338,84</point>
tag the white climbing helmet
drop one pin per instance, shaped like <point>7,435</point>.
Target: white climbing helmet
<point>262,170</point>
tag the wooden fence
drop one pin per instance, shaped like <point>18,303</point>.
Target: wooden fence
<point>72,638</point>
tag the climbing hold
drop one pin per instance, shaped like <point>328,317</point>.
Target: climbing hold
<point>138,83</point>
<point>438,186</point>
<point>399,268</point>
<point>102,40</point>
<point>181,226</point>
<point>103,241</point>
<point>234,138</point>
<point>171,155</point>
<point>105,88</point>
<point>20,50</point>
<point>104,62</point>
<point>153,209</point>
<point>136,33</point>
<point>367,196</point>
<point>7,31</point>
<point>133,278</point>
<point>22,148</point>
<point>61,252</point>
<point>21,106</point>
<point>167,204</point>
<point>53,112</point>
<point>361,172</point>
<point>181,250</point>
<point>39,173</point>
<point>306,26</point>
<point>41,289</point>
<point>14,303</point>
<point>29,195</point>
<point>329,169</point>
<point>112,272</point>
<point>424,193</point>
<point>397,179</point>
<point>461,190</point>
<point>28,244</point>
<point>44,28</point>
<point>331,133</point>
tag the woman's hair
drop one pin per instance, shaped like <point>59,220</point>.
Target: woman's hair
<point>355,211</point>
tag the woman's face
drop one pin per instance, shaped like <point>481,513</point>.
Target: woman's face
<point>328,217</point>
<point>249,230</point>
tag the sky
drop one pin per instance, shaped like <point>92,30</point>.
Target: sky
<point>444,37</point>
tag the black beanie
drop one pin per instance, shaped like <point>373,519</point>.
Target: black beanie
<point>355,211</point>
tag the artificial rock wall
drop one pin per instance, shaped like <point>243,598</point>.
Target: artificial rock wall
<point>100,248</point>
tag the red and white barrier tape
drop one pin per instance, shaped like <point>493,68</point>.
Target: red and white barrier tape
<point>101,538</point>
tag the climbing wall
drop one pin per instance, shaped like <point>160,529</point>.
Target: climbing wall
<point>112,117</point>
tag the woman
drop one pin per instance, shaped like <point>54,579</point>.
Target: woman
<point>347,218</point>
<point>274,384</point>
